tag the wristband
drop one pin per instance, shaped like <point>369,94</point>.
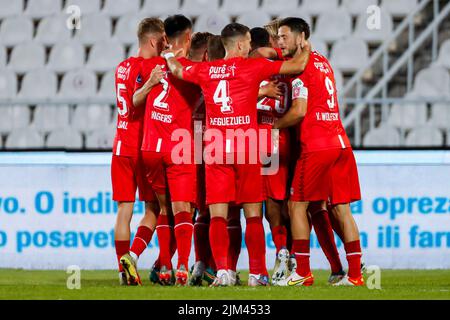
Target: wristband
<point>169,55</point>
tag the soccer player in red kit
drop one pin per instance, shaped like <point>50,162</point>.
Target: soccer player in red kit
<point>168,113</point>
<point>326,168</point>
<point>230,87</point>
<point>126,167</point>
<point>271,108</point>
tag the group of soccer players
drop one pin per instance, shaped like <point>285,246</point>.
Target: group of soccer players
<point>264,107</point>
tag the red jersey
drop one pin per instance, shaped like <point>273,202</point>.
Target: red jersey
<point>130,120</point>
<point>270,109</point>
<point>321,128</point>
<point>169,107</point>
<point>230,89</point>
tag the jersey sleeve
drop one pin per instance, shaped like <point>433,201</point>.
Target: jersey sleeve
<point>300,87</point>
<point>266,68</point>
<point>195,73</point>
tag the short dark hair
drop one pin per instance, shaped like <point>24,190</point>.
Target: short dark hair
<point>177,24</point>
<point>231,31</point>
<point>149,25</point>
<point>297,25</point>
<point>215,49</point>
<point>260,38</point>
<point>200,40</point>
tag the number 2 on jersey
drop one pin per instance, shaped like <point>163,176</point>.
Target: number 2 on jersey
<point>222,97</point>
<point>158,103</point>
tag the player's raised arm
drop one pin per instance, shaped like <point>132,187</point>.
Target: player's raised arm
<point>174,65</point>
<point>140,96</point>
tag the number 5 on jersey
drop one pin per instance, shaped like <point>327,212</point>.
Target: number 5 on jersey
<point>222,97</point>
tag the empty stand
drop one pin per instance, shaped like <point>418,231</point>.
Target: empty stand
<point>39,84</point>
<point>94,28</point>
<point>8,84</point>
<point>155,8</point>
<point>11,8</point>
<point>50,117</point>
<point>67,138</point>
<point>398,8</point>
<point>16,30</point>
<point>197,7</point>
<point>14,117</point>
<point>440,116</point>
<point>376,33</point>
<point>24,139</point>
<point>316,7</point>
<point>87,118</point>
<point>27,56</point>
<point>357,7</point>
<point>212,22</point>
<point>432,82</point>
<point>384,136</point>
<point>86,6</point>
<point>254,18</point>
<point>105,56</point>
<point>276,7</point>
<point>333,25</point>
<point>407,116</point>
<point>66,56</point>
<point>116,8</point>
<point>42,8</point>
<point>236,7</point>
<point>349,55</point>
<point>425,136</point>
<point>78,84</point>
<point>52,30</point>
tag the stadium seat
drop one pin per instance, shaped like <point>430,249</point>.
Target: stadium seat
<point>117,8</point>
<point>14,117</point>
<point>39,84</point>
<point>41,8</point>
<point>87,118</point>
<point>320,46</point>
<point>339,78</point>
<point>236,7</point>
<point>126,28</point>
<point>211,22</point>
<point>275,7</point>
<point>432,82</point>
<point>357,7</point>
<point>66,138</point>
<point>374,36</point>
<point>66,56</point>
<point>316,7</point>
<point>27,138</point>
<point>349,55</point>
<point>86,6</point>
<point>440,115</point>
<point>383,136</point>
<point>107,87</point>
<point>27,56</point>
<point>333,25</point>
<point>16,30</point>
<point>2,56</point>
<point>155,8</point>
<point>52,30</point>
<point>8,84</point>
<point>197,7</point>
<point>444,55</point>
<point>94,28</point>
<point>105,56</point>
<point>78,84</point>
<point>254,19</point>
<point>399,8</point>
<point>10,8</point>
<point>426,136</point>
<point>407,116</point>
<point>102,138</point>
<point>50,117</point>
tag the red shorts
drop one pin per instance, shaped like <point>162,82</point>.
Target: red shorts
<point>275,185</point>
<point>326,175</point>
<point>181,179</point>
<point>127,175</point>
<point>237,183</point>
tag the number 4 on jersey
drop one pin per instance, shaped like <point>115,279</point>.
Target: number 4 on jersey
<point>222,97</point>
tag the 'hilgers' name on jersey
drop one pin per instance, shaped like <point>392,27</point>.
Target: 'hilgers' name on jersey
<point>221,72</point>
<point>166,118</point>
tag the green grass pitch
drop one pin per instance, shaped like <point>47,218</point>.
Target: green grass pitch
<point>395,284</point>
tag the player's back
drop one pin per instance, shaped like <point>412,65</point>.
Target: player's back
<point>169,107</point>
<point>322,127</point>
<point>129,121</point>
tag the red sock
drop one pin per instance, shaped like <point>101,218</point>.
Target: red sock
<point>201,239</point>
<point>218,238</point>
<point>122,247</point>
<point>256,245</point>
<point>279,236</point>
<point>234,250</point>
<point>301,250</point>
<point>183,235</point>
<point>353,250</point>
<point>163,230</point>
<point>325,235</point>
<point>141,240</point>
